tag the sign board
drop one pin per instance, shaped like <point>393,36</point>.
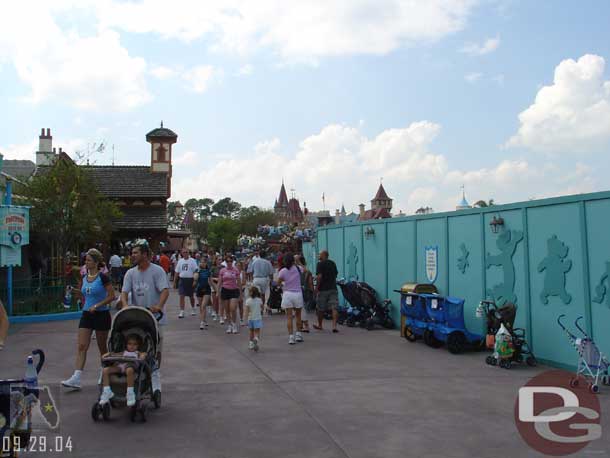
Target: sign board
<point>14,233</point>
<point>431,260</point>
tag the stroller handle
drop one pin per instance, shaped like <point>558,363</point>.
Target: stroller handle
<point>41,359</point>
<point>160,317</point>
<point>559,321</point>
<point>578,326</point>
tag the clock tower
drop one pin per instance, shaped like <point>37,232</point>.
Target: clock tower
<point>161,141</point>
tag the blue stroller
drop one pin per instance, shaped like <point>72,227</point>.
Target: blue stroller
<point>592,364</point>
<point>447,325</point>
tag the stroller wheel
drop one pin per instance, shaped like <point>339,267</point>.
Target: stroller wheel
<point>456,341</point>
<point>531,361</point>
<point>593,388</point>
<point>388,323</point>
<point>493,361</point>
<point>489,360</point>
<point>114,404</point>
<point>157,399</point>
<point>409,334</point>
<point>370,324</point>
<point>501,363</point>
<point>106,412</point>
<point>574,382</point>
<point>96,411</point>
<point>507,364</point>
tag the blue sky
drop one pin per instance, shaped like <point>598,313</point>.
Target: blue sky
<point>510,98</point>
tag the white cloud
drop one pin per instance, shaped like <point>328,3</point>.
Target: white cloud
<point>200,77</point>
<point>93,72</point>
<point>162,72</point>
<point>246,70</point>
<point>345,165</point>
<point>475,49</point>
<point>27,150</point>
<point>572,114</point>
<point>473,77</point>
<point>188,158</point>
<point>295,30</point>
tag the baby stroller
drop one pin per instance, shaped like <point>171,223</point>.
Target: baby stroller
<point>139,321</point>
<point>16,402</point>
<point>496,317</point>
<point>592,363</point>
<point>275,298</point>
<point>366,310</point>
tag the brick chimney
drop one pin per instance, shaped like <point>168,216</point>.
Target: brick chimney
<point>361,207</point>
<point>45,154</point>
<point>337,216</point>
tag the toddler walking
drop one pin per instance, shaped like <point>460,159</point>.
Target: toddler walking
<point>131,351</point>
<point>255,319</point>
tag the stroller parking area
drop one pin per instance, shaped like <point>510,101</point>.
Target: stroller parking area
<point>357,393</point>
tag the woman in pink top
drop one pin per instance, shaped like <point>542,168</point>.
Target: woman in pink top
<point>292,296</point>
<point>229,287</point>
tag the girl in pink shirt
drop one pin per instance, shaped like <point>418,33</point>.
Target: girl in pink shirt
<point>292,297</point>
<point>229,287</point>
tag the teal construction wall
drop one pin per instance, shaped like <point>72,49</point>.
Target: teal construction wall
<point>551,257</point>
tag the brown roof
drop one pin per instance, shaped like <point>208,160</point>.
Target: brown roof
<point>380,213</point>
<point>381,194</point>
<point>128,181</point>
<point>283,200</point>
<point>141,218</point>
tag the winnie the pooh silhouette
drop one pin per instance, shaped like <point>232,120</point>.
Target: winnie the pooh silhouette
<point>600,289</point>
<point>352,263</point>
<point>556,266</point>
<point>507,244</point>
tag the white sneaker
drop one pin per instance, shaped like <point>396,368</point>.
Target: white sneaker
<point>241,323</point>
<point>72,382</point>
<point>106,396</point>
<point>235,328</point>
<point>214,317</point>
<point>181,314</point>
<point>99,380</point>
<point>155,380</point>
<point>251,345</point>
<point>298,337</point>
<point>131,398</point>
<point>229,329</point>
<point>193,312</point>
<point>222,321</point>
<point>201,325</point>
<point>291,339</point>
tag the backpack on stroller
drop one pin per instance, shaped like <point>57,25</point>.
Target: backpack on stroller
<point>496,317</point>
<point>366,310</point>
<point>275,297</point>
<point>139,321</point>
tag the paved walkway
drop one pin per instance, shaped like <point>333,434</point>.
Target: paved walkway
<point>354,394</point>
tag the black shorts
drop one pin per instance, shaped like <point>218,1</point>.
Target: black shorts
<point>204,291</point>
<point>96,321</point>
<point>226,294</point>
<point>185,287</point>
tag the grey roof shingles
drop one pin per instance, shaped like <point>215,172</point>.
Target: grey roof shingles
<point>18,168</point>
<point>145,218</point>
<point>128,181</point>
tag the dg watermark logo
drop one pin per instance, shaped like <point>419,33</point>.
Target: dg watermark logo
<point>554,418</point>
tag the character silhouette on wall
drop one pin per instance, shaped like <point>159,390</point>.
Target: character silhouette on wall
<point>507,243</point>
<point>556,266</point>
<point>600,289</point>
<point>352,262</point>
<point>462,262</point>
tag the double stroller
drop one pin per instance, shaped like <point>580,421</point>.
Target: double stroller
<point>139,321</point>
<point>518,349</point>
<point>365,309</point>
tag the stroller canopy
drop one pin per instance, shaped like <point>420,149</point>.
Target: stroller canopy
<point>138,320</point>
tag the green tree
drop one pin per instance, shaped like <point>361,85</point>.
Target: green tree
<point>223,233</point>
<point>200,208</point>
<point>67,209</point>
<point>483,204</point>
<point>252,217</point>
<point>226,208</point>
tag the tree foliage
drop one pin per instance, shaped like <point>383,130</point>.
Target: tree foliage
<point>226,208</point>
<point>483,204</point>
<point>223,233</point>
<point>67,209</point>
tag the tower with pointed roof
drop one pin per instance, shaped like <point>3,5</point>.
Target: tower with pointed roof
<point>287,211</point>
<point>463,205</point>
<point>381,200</point>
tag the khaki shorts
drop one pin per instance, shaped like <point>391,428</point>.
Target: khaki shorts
<point>327,300</point>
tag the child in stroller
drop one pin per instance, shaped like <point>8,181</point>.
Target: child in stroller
<point>128,322</point>
<point>134,342</point>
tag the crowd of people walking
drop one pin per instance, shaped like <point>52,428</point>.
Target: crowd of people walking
<point>233,293</point>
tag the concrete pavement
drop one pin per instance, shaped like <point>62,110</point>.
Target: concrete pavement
<point>355,394</point>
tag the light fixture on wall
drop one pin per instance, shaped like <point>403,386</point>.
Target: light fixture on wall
<point>496,223</point>
<point>369,232</point>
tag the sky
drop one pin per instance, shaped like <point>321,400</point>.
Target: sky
<point>508,98</point>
